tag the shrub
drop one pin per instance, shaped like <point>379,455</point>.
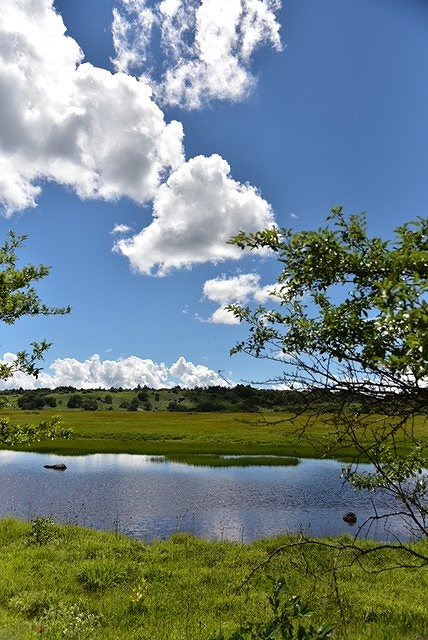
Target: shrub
<point>134,404</point>
<point>90,404</point>
<point>31,400</point>
<point>207,406</point>
<point>75,401</point>
<point>289,620</point>
<point>43,531</point>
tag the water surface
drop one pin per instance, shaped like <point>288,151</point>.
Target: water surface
<point>150,498</point>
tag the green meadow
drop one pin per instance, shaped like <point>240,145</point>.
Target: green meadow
<point>189,434</point>
<point>67,582</point>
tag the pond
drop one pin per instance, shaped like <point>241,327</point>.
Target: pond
<point>151,498</point>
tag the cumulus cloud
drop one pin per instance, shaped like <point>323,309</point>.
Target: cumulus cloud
<point>191,375</point>
<point>102,135</point>
<point>65,120</point>
<point>197,210</point>
<point>120,228</point>
<point>269,292</point>
<point>228,290</point>
<point>237,290</point>
<point>207,45</point>
<point>127,372</point>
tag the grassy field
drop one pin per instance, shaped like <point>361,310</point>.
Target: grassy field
<point>65,582</point>
<point>186,434</point>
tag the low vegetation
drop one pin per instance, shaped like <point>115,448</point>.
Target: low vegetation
<point>187,434</point>
<point>66,582</point>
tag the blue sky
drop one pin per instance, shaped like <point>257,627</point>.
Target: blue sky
<point>240,130</point>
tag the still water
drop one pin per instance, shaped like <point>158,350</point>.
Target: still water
<point>149,498</point>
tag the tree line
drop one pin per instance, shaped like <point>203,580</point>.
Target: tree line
<point>240,398</point>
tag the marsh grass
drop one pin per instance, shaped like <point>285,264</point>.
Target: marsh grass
<point>88,584</point>
<point>173,434</point>
<point>207,460</point>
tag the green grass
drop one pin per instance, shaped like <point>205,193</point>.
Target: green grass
<point>208,460</point>
<point>85,584</point>
<point>173,434</point>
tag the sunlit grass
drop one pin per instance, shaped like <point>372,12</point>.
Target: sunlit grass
<point>173,434</point>
<point>86,584</point>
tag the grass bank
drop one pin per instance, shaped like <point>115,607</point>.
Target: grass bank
<point>181,434</point>
<point>66,582</point>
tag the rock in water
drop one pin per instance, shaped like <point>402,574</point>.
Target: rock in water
<point>57,467</point>
<point>350,517</point>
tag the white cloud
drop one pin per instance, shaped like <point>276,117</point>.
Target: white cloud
<point>283,357</point>
<point>191,375</point>
<point>68,121</point>
<point>127,372</point>
<point>196,212</point>
<point>131,31</point>
<point>237,290</point>
<point>208,45</point>
<point>223,316</point>
<point>120,228</point>
<point>230,290</point>
<point>102,135</point>
<point>264,294</point>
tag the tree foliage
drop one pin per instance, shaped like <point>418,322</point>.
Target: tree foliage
<point>18,298</point>
<point>349,301</point>
<point>75,401</point>
<point>352,319</point>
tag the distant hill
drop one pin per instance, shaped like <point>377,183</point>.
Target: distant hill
<point>241,398</point>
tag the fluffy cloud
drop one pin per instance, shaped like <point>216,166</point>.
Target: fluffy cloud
<point>103,135</point>
<point>207,45</point>
<point>196,212</point>
<point>68,121</point>
<point>238,290</point>
<point>128,373</point>
<point>120,228</point>
<point>191,375</point>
